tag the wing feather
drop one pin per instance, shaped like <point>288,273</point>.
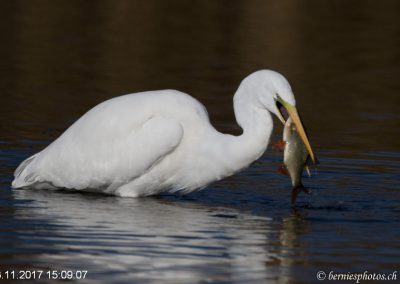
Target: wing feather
<point>105,157</point>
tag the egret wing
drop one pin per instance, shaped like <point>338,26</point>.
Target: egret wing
<point>104,158</point>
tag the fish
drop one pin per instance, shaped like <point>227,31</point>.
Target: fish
<point>295,159</point>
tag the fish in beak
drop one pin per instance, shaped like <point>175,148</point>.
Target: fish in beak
<point>287,110</point>
<point>295,158</point>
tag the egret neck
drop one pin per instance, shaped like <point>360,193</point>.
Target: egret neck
<point>256,123</point>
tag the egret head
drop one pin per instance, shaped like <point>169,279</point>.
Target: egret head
<point>274,93</point>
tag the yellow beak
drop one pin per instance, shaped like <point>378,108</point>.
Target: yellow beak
<point>300,129</point>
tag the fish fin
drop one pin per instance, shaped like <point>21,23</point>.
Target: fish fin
<point>308,170</point>
<point>279,145</point>
<point>283,170</point>
<point>296,190</point>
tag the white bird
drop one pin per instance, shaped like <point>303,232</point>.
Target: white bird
<point>152,142</point>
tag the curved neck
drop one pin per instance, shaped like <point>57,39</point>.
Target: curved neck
<point>256,122</point>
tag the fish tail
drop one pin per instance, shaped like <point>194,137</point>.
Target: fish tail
<point>296,190</point>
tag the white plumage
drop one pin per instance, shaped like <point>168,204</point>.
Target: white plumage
<point>152,142</point>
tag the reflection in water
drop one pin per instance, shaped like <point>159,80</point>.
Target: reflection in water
<point>146,238</point>
<point>239,230</point>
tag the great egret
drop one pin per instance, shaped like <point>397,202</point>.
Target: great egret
<point>160,141</point>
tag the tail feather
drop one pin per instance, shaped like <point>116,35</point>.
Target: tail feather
<point>22,175</point>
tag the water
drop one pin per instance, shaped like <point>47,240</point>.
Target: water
<point>342,59</point>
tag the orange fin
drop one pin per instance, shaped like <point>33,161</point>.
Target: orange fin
<point>283,170</point>
<point>279,145</point>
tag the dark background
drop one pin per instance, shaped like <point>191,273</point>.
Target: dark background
<point>60,58</point>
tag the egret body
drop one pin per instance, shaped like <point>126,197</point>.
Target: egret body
<point>160,141</point>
